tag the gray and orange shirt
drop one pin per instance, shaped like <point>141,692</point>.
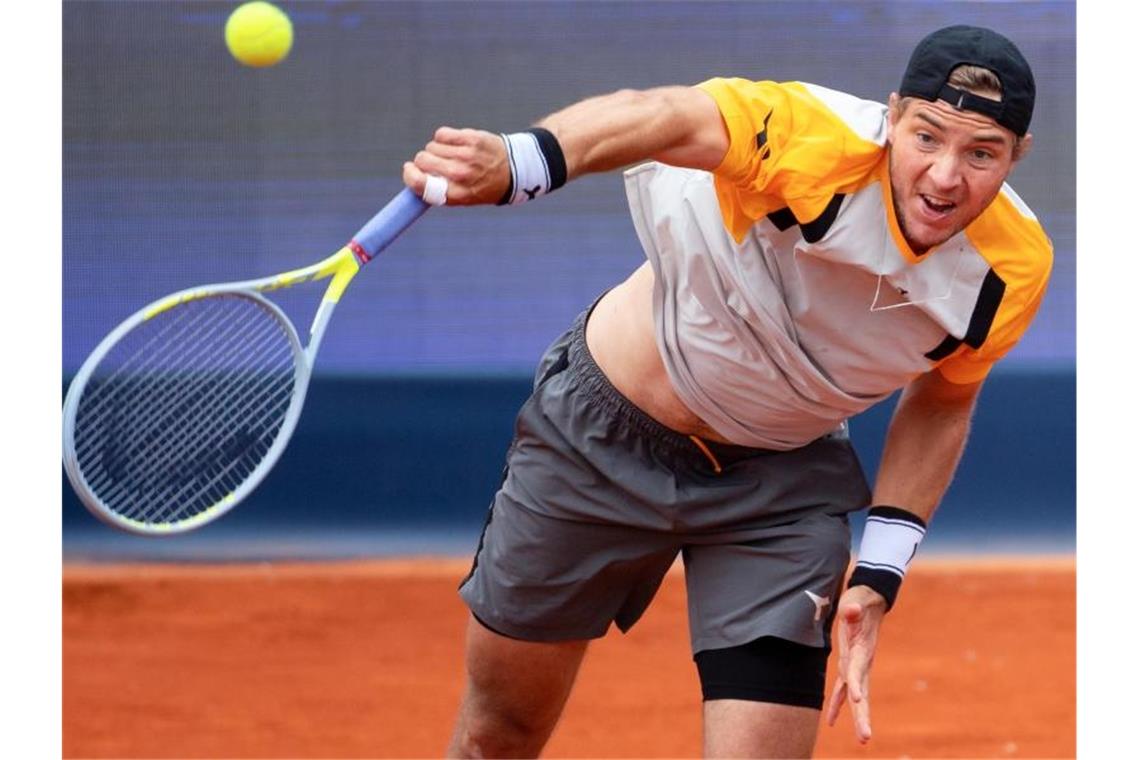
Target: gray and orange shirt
<point>786,297</point>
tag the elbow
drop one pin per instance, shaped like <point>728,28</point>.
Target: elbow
<point>662,105</point>
<point>934,389</point>
<point>655,96</point>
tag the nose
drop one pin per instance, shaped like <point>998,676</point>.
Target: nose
<point>944,171</point>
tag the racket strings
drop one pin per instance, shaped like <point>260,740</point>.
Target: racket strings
<point>145,357</point>
<point>132,402</point>
<point>193,432</point>
<point>193,447</point>
<point>152,472</point>
<point>188,431</point>
<point>224,477</point>
<point>155,414</point>
<point>139,401</point>
<point>123,396</point>
<point>185,407</point>
<point>198,335</point>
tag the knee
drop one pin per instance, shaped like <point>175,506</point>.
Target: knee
<point>498,733</point>
<point>515,693</point>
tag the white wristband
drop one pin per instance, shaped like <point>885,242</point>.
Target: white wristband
<point>536,163</point>
<point>528,169</point>
<point>890,540</point>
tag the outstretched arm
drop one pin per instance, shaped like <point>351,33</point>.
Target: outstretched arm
<point>925,440</point>
<point>676,125</point>
<point>924,443</point>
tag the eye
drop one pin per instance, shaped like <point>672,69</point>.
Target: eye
<point>926,142</point>
<point>981,156</point>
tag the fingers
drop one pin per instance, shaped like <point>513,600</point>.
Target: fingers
<point>472,161</point>
<point>442,166</point>
<point>854,693</point>
<point>414,179</point>
<point>454,142</point>
<point>839,692</point>
<point>429,185</point>
<point>852,685</point>
<point>435,191</point>
<point>861,713</point>
<point>835,704</point>
<point>858,673</point>
<point>452,136</point>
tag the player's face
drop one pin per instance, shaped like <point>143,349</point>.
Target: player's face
<point>946,167</point>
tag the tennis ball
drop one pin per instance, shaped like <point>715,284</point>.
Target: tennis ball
<point>259,34</point>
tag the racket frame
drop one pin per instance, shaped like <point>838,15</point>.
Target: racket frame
<point>342,266</point>
<point>373,238</point>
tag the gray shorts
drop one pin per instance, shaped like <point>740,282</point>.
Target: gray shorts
<point>598,498</point>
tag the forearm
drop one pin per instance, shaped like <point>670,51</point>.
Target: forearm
<point>678,125</point>
<point>924,444</point>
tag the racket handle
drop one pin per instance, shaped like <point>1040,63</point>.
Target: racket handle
<point>386,226</point>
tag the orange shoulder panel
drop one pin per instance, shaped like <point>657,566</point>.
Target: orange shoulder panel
<point>787,149</point>
<point>1021,254</point>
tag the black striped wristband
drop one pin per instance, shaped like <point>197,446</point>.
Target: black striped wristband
<point>890,540</point>
<point>537,165</point>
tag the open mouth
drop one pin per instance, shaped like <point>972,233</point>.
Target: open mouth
<point>937,206</point>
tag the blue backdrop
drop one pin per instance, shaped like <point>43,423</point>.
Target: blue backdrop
<point>182,167</point>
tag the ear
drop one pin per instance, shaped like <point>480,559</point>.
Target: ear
<point>1023,147</point>
<point>892,115</point>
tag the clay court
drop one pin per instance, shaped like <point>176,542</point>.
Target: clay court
<point>364,659</point>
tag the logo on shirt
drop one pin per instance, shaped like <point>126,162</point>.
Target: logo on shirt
<point>820,602</point>
<point>762,139</point>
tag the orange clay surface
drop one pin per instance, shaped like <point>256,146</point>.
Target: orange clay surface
<point>364,659</point>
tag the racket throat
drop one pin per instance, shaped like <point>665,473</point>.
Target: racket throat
<point>317,329</point>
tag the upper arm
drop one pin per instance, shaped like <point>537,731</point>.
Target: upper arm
<point>676,124</point>
<point>703,138</point>
<point>933,388</point>
<point>790,145</point>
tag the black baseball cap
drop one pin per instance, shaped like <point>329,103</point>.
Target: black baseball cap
<point>942,51</point>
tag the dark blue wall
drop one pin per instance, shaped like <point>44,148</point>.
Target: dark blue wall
<point>374,458</point>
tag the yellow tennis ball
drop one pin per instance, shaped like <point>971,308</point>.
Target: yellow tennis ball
<point>259,34</point>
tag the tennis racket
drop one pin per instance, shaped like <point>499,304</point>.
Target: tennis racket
<point>182,410</point>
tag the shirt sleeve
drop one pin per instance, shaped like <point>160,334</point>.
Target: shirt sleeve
<point>973,365</point>
<point>787,149</point>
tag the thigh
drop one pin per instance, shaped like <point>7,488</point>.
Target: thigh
<point>783,582</point>
<point>568,547</point>
<point>545,579</point>
<point>760,615</point>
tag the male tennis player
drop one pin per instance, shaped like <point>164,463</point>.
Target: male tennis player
<point>808,254</point>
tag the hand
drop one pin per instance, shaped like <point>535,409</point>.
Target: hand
<point>860,613</point>
<point>473,162</point>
